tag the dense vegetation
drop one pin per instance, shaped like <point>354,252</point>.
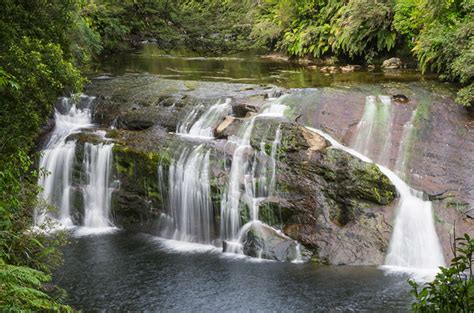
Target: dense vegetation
<point>439,33</point>
<point>43,42</point>
<point>207,26</point>
<point>46,42</point>
<point>453,288</point>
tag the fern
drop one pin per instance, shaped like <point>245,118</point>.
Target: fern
<point>22,291</point>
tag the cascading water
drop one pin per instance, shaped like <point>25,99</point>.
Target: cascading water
<point>251,180</point>
<point>414,246</point>
<point>58,161</point>
<point>58,157</point>
<point>98,191</point>
<point>251,169</point>
<point>374,129</point>
<point>405,146</point>
<point>191,215</point>
<point>204,126</point>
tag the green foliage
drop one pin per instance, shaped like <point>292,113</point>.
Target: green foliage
<point>446,44</point>
<point>41,74</point>
<point>321,27</point>
<point>208,25</point>
<point>22,289</point>
<point>364,28</point>
<point>453,288</point>
<point>43,42</point>
<point>439,32</point>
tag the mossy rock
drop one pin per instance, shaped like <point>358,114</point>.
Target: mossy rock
<point>357,179</point>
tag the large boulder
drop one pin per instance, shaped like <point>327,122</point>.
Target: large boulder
<point>265,242</point>
<point>331,201</point>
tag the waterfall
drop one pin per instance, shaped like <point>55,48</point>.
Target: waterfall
<point>204,126</point>
<point>374,129</point>
<point>186,188</point>
<point>191,215</point>
<point>414,246</point>
<point>97,166</point>
<point>251,170</point>
<point>58,159</point>
<point>405,146</point>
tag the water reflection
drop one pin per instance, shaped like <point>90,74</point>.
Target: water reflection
<point>245,67</point>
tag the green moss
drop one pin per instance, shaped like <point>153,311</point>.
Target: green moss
<point>318,260</point>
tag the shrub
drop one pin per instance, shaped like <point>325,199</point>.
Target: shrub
<point>453,288</point>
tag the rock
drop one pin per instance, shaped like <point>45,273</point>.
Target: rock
<point>242,109</point>
<point>392,63</point>
<point>400,98</point>
<point>134,121</point>
<point>294,138</point>
<point>371,67</point>
<point>329,69</point>
<point>85,136</point>
<point>315,141</point>
<point>349,68</point>
<point>137,203</point>
<point>264,242</point>
<point>219,132</point>
<point>276,57</point>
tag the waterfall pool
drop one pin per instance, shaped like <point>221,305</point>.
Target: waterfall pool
<point>134,272</point>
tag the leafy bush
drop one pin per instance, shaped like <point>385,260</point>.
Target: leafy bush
<point>453,288</point>
<point>23,290</point>
<point>446,44</point>
<point>364,28</point>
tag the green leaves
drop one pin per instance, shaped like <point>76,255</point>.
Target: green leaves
<point>22,290</point>
<point>453,288</point>
<point>439,32</point>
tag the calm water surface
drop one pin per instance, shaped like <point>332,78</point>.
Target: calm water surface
<point>130,272</point>
<point>245,67</point>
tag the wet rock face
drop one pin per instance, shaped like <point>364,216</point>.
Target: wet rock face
<point>333,203</point>
<point>137,102</point>
<point>437,161</point>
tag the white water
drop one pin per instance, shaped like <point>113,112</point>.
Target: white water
<point>374,129</point>
<point>414,246</point>
<point>242,171</point>
<point>204,126</point>
<point>97,166</point>
<point>401,165</point>
<point>257,171</point>
<point>191,216</point>
<point>58,160</point>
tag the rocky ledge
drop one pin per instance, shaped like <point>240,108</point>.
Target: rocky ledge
<point>337,206</point>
